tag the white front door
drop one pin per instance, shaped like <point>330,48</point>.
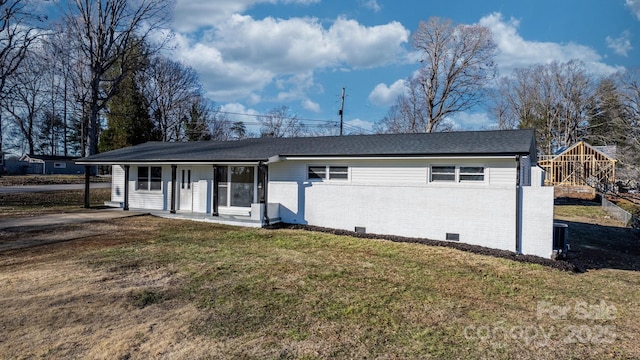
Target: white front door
<point>186,191</point>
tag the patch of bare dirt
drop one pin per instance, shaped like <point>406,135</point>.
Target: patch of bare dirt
<point>55,304</point>
<point>23,237</point>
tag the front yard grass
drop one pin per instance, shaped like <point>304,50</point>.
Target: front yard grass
<point>177,289</point>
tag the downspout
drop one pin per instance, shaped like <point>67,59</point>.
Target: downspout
<point>518,207</point>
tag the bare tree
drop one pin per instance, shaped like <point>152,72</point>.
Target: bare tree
<point>630,91</point>
<point>56,51</point>
<point>407,114</point>
<point>17,34</point>
<point>457,62</point>
<point>280,122</point>
<point>608,115</point>
<point>104,31</point>
<point>171,89</point>
<point>553,98</point>
<point>576,90</point>
<point>28,98</point>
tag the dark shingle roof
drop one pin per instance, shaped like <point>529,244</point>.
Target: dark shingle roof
<point>472,143</point>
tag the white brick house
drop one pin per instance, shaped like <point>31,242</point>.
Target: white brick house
<point>482,188</point>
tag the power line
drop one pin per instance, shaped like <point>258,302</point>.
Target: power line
<point>333,123</point>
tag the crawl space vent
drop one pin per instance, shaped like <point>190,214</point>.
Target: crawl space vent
<point>453,236</point>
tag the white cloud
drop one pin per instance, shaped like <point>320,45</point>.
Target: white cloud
<point>634,6</point>
<point>302,44</point>
<point>360,46</point>
<point>191,15</point>
<point>372,4</point>
<point>238,112</point>
<point>620,45</point>
<point>236,108</point>
<point>358,124</point>
<point>470,121</point>
<point>516,52</point>
<point>297,87</point>
<point>242,55</point>
<point>307,104</point>
<point>383,95</point>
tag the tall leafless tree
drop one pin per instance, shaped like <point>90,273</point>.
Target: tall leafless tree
<point>457,61</point>
<point>18,32</point>
<point>56,51</point>
<point>28,98</point>
<point>172,89</point>
<point>630,91</point>
<point>103,32</point>
<point>552,98</point>
<point>280,122</point>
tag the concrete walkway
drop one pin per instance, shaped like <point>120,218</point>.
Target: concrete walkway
<point>66,218</point>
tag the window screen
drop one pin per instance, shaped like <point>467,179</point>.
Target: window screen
<point>156,178</point>
<point>143,178</point>
<point>338,172</point>
<point>149,178</point>
<point>317,172</point>
<point>471,173</point>
<point>443,173</point>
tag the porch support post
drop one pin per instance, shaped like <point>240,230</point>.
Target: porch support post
<point>125,206</point>
<point>87,188</point>
<point>173,188</point>
<point>214,190</point>
<point>263,173</point>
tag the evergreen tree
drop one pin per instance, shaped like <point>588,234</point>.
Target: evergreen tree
<point>196,124</point>
<point>128,119</point>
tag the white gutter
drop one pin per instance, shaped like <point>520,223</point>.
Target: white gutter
<point>169,162</point>
<point>273,159</point>
<point>328,158</point>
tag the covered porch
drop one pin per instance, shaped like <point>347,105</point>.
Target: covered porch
<point>232,193</point>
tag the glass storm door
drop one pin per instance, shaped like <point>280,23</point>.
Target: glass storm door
<point>236,186</point>
<point>241,186</point>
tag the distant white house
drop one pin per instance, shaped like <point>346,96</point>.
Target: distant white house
<point>482,188</point>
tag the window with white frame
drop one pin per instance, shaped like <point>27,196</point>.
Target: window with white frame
<point>450,173</point>
<point>149,178</point>
<point>328,172</point>
<point>471,173</point>
<point>317,172</point>
<point>443,173</point>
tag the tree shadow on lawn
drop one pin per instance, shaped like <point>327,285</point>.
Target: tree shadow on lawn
<point>599,247</point>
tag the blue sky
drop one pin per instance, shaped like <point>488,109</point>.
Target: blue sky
<point>254,55</point>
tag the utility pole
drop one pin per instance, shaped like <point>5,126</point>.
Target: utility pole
<point>341,111</point>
